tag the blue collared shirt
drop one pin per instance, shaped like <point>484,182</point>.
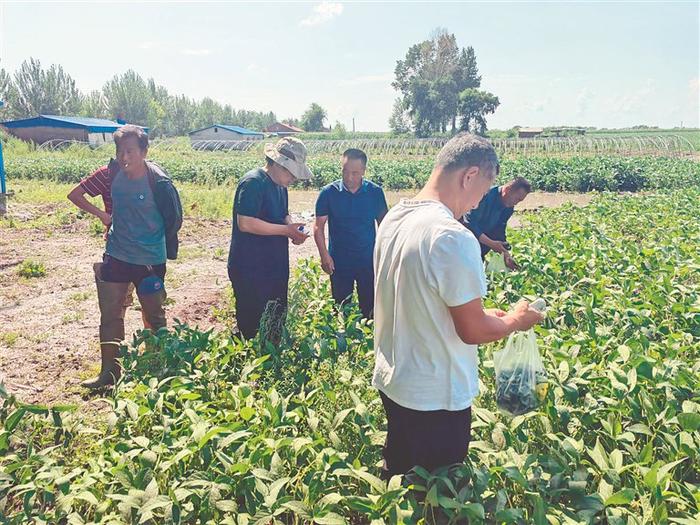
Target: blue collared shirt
<point>352,221</point>
<point>490,215</point>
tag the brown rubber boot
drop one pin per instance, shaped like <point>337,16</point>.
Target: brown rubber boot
<point>111,370</point>
<point>113,299</point>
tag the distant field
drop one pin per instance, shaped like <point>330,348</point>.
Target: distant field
<point>691,135</point>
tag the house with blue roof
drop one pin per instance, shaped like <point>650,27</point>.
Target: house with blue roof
<point>44,128</point>
<point>222,132</point>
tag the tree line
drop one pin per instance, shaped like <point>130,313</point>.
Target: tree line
<point>438,84</point>
<point>34,90</point>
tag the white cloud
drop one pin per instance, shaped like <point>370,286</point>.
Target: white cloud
<point>257,68</point>
<point>694,88</point>
<point>583,101</point>
<point>195,52</point>
<point>384,78</point>
<point>149,44</point>
<point>322,13</point>
<point>636,101</point>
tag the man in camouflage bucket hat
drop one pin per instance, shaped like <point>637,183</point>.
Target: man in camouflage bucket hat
<point>258,261</point>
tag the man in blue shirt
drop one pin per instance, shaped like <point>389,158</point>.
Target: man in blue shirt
<point>488,221</point>
<point>353,207</point>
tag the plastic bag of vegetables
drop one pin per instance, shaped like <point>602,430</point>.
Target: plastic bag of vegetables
<point>521,379</point>
<point>495,263</point>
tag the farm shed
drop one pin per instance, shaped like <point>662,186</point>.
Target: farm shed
<point>527,133</point>
<point>278,128</point>
<point>565,132</point>
<point>43,128</point>
<point>224,132</point>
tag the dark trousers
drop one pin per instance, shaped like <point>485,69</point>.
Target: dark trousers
<point>116,271</point>
<point>253,291</point>
<point>430,439</point>
<point>343,282</point>
<point>497,234</point>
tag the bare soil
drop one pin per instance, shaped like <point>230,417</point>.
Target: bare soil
<point>48,325</point>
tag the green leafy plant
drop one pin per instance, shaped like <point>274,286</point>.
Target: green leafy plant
<point>29,268</point>
<point>206,428</point>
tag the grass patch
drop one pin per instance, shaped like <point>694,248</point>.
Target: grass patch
<point>72,317</point>
<point>30,269</point>
<point>9,338</point>
<point>79,297</point>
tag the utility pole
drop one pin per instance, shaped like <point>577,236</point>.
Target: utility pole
<point>353,125</point>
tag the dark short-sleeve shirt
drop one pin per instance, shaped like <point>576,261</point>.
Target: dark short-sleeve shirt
<point>258,196</point>
<point>491,215</point>
<point>351,221</point>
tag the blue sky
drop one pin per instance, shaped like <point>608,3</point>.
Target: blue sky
<point>601,64</point>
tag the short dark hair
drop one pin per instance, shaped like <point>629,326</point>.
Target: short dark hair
<point>355,154</point>
<point>466,150</point>
<point>520,183</point>
<point>129,130</point>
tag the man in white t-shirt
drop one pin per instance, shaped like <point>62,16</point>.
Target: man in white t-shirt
<point>429,315</point>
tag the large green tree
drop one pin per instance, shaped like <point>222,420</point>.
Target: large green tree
<point>312,119</point>
<point>474,105</point>
<point>399,122</point>
<point>430,78</point>
<point>128,97</point>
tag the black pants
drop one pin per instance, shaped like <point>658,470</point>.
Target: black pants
<point>430,439</point>
<point>343,282</point>
<point>116,271</point>
<point>253,291</point>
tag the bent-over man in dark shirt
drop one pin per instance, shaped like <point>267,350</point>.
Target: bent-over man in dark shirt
<point>488,221</point>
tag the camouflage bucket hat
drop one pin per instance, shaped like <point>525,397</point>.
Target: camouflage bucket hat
<point>290,153</point>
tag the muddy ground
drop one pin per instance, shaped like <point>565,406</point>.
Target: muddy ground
<point>48,325</point>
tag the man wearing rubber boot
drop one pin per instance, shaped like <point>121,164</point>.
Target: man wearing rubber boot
<point>143,223</point>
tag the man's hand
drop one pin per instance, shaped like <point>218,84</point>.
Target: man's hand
<point>510,262</point>
<point>105,217</point>
<point>328,264</point>
<point>297,236</point>
<point>525,316</point>
<point>495,312</point>
<point>499,247</point>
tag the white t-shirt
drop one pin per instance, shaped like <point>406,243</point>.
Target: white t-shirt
<point>424,262</point>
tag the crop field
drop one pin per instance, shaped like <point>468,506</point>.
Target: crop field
<point>209,429</point>
<point>579,173</point>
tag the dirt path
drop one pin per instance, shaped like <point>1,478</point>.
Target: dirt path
<point>48,325</point>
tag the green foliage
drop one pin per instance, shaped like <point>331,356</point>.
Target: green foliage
<point>313,117</point>
<point>209,429</point>
<point>35,90</point>
<point>474,105</point>
<point>29,268</point>
<point>430,79</point>
<point>578,174</point>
